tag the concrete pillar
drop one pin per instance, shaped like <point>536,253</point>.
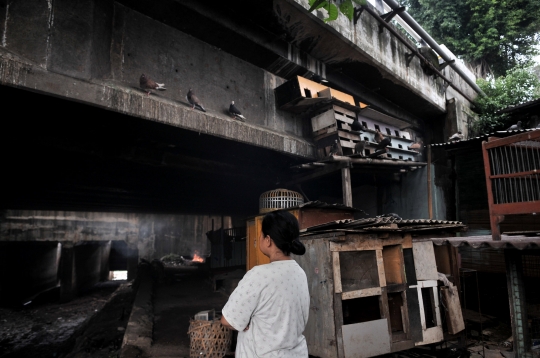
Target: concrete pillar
<point>104,267</point>
<point>132,262</point>
<point>68,277</point>
<point>518,307</point>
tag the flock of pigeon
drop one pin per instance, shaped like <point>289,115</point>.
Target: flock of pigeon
<point>147,85</point>
<point>382,141</point>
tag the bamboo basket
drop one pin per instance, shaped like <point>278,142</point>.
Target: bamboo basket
<point>208,339</point>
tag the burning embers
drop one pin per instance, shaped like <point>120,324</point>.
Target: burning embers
<point>197,258</point>
<point>178,261</point>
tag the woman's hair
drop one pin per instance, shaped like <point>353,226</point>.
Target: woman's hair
<point>283,229</point>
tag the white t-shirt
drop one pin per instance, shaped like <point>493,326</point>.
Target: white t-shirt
<point>273,299</point>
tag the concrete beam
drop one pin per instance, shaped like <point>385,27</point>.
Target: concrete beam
<point>116,97</point>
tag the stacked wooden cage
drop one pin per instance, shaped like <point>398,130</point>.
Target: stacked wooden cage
<point>335,123</point>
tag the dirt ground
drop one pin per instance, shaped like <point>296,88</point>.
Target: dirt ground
<point>91,325</point>
<point>176,300</point>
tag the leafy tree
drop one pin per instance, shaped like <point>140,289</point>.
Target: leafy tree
<point>493,35</point>
<point>345,6</point>
<point>520,85</point>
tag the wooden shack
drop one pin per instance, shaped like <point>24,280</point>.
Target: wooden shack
<point>308,215</point>
<point>372,292</point>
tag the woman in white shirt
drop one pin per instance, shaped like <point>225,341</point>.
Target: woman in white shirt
<point>270,306</point>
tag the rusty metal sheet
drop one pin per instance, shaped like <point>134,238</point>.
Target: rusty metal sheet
<point>478,140</point>
<point>385,224</point>
<point>506,242</point>
<point>366,339</point>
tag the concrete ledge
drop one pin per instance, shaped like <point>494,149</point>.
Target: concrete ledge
<point>138,335</point>
<point>19,73</point>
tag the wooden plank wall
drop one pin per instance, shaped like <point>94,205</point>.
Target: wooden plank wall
<point>320,331</point>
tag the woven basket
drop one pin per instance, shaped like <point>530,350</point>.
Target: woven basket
<point>208,339</point>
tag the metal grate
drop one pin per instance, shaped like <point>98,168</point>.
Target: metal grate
<point>512,167</point>
<point>515,172</point>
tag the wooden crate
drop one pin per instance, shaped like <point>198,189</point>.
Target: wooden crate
<point>306,217</point>
<point>365,299</point>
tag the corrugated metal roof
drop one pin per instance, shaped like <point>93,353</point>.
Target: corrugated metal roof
<point>483,137</point>
<point>522,106</point>
<point>506,242</point>
<point>384,224</point>
<point>322,204</point>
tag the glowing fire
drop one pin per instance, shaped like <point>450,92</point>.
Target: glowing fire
<point>197,258</point>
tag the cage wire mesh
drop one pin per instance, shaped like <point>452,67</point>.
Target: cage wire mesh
<point>279,199</point>
<point>514,169</point>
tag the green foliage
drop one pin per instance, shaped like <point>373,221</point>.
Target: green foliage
<point>520,85</point>
<point>499,33</point>
<point>345,6</point>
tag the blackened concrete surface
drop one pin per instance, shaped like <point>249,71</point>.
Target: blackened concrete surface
<point>176,301</point>
<point>89,326</point>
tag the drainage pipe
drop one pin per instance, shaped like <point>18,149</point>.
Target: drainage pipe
<point>433,44</point>
<point>414,50</point>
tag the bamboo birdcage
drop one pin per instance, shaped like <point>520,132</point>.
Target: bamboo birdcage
<point>279,199</point>
<point>208,339</point>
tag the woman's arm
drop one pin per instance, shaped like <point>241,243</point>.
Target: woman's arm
<point>226,323</point>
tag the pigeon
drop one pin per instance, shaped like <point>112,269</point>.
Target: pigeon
<point>456,137</point>
<point>235,112</point>
<point>194,101</point>
<point>384,143</point>
<point>356,126</point>
<point>416,146</point>
<point>334,150</point>
<point>382,140</point>
<point>378,136</point>
<point>359,147</point>
<point>147,84</point>
<point>515,127</point>
<point>319,79</point>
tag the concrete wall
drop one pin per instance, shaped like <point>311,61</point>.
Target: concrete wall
<point>409,197</point>
<point>153,235</point>
<point>94,51</point>
<point>379,48</point>
<point>27,268</point>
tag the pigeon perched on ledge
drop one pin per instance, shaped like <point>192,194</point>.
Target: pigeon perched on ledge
<point>147,84</point>
<point>194,101</point>
<point>356,126</point>
<point>334,150</point>
<point>515,127</point>
<point>359,147</point>
<point>416,146</point>
<point>235,112</point>
<point>456,137</point>
<point>382,141</point>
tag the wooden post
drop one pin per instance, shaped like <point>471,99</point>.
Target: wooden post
<point>346,185</point>
<point>430,205</point>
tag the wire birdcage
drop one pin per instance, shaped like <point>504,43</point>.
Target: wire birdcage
<point>279,199</point>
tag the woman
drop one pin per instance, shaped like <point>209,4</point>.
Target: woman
<point>270,306</point>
